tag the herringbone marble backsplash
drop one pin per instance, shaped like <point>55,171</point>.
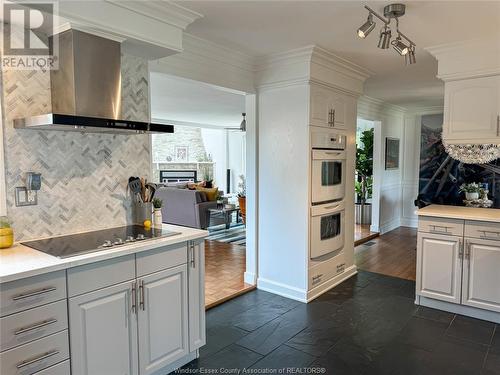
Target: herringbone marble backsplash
<point>84,176</point>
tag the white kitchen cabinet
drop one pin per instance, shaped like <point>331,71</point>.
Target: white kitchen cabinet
<point>163,319</point>
<point>329,108</point>
<point>196,271</point>
<point>439,266</point>
<point>481,278</point>
<point>103,329</point>
<point>471,110</point>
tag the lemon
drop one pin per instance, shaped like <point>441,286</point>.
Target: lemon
<point>6,237</point>
<point>147,223</point>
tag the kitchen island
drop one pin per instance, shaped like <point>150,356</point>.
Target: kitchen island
<point>458,260</point>
<point>134,309</point>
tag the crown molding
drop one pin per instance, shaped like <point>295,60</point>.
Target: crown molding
<point>312,63</point>
<point>375,109</point>
<point>87,29</point>
<point>460,60</point>
<point>161,10</point>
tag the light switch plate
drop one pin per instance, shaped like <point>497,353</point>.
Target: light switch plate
<point>22,197</point>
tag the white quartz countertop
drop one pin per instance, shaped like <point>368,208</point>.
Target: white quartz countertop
<point>21,261</point>
<point>457,212</point>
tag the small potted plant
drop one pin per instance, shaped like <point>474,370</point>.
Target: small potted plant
<point>157,216</point>
<point>472,190</point>
<point>242,198</point>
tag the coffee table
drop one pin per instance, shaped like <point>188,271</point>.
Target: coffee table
<point>227,213</point>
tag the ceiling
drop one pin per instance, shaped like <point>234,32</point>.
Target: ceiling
<point>184,101</point>
<point>263,27</point>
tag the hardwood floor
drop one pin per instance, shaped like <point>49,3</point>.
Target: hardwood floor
<point>224,268</point>
<point>363,234</point>
<point>392,254</point>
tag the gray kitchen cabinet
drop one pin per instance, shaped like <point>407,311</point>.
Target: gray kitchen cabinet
<point>439,266</point>
<point>162,318</point>
<point>103,328</point>
<point>196,272</point>
<point>481,278</point>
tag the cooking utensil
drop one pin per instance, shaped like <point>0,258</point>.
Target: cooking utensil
<point>134,184</point>
<point>152,191</point>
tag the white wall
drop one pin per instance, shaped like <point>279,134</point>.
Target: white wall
<point>283,190</point>
<point>215,145</point>
<point>236,157</point>
<point>396,189</point>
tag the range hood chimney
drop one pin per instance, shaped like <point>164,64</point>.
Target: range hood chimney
<point>86,89</point>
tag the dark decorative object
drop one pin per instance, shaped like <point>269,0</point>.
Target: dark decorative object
<point>391,153</point>
<point>441,176</point>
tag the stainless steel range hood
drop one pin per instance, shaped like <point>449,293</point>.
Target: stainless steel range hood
<point>86,89</point>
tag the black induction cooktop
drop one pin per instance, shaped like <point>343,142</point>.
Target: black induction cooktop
<point>78,244</point>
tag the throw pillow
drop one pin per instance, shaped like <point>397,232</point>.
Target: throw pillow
<point>210,193</point>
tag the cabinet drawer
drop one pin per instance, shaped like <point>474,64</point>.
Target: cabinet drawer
<point>29,325</point>
<point>482,229</point>
<point>451,227</point>
<point>62,368</point>
<point>161,259</point>
<point>35,356</point>
<point>31,292</point>
<point>99,275</point>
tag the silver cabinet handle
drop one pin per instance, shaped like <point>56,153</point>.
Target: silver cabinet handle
<point>485,234</point>
<point>467,249</point>
<point>134,297</point>
<point>34,293</point>
<point>333,120</point>
<point>142,306</point>
<point>439,229</point>
<point>498,125</point>
<point>460,249</point>
<point>30,328</point>
<point>192,250</point>
<point>28,362</point>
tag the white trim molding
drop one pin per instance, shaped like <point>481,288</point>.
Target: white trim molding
<point>310,64</point>
<point>460,60</point>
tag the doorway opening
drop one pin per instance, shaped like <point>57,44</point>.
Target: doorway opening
<point>201,170</point>
<point>364,179</point>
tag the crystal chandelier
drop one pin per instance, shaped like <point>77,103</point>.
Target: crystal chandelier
<point>472,154</point>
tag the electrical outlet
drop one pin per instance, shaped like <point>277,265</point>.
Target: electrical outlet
<point>25,197</point>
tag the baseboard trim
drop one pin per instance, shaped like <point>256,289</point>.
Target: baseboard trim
<point>473,312</point>
<point>411,223</point>
<point>329,284</point>
<point>250,278</point>
<point>282,290</point>
<point>391,225</point>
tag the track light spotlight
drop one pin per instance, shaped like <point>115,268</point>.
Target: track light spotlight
<point>367,27</point>
<point>402,44</point>
<point>410,56</point>
<point>399,46</point>
<point>384,38</point>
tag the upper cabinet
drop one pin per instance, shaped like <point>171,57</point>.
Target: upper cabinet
<point>329,108</point>
<point>472,109</point>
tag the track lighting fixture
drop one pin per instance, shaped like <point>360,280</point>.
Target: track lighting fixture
<point>399,46</point>
<point>367,27</point>
<point>384,38</point>
<point>405,48</point>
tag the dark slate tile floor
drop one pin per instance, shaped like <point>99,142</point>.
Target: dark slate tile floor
<point>369,324</point>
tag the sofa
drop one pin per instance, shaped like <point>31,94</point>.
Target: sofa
<point>185,207</point>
